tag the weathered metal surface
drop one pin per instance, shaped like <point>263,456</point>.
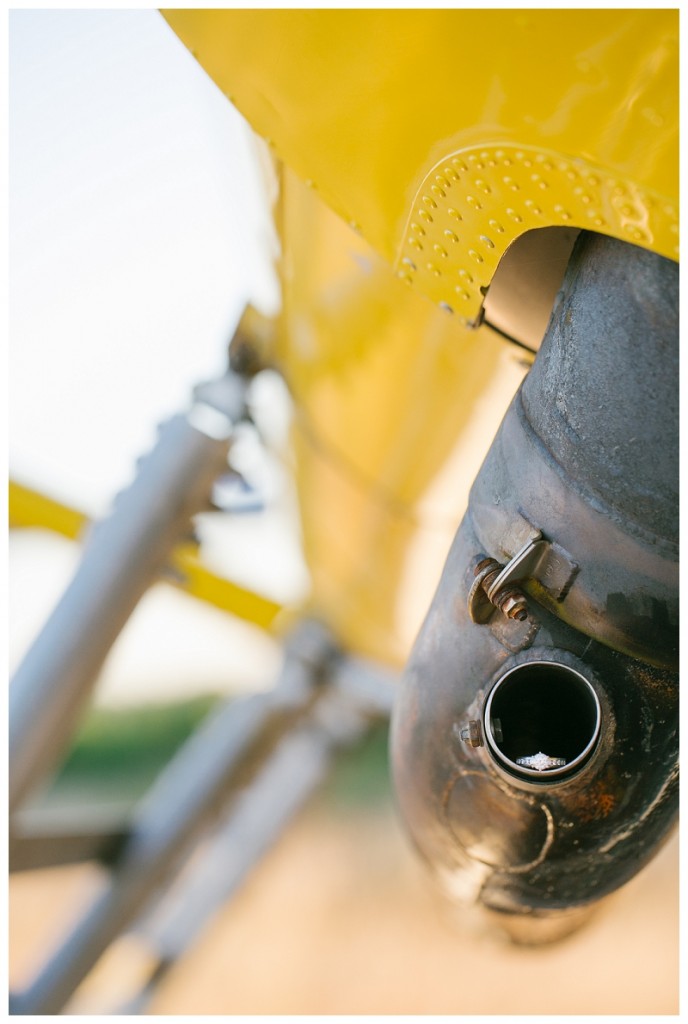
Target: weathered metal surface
<point>540,838</point>
<point>588,451</point>
<point>535,846</point>
<point>604,398</point>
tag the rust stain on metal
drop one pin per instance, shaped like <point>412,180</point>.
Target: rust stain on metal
<point>657,682</point>
<point>594,802</point>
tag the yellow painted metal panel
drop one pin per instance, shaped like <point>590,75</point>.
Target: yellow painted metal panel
<point>472,206</point>
<point>396,403</point>
<point>560,116</point>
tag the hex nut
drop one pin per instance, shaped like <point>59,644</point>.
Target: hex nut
<point>515,606</point>
<point>472,734</point>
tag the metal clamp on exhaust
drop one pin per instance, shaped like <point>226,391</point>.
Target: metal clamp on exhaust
<point>496,585</point>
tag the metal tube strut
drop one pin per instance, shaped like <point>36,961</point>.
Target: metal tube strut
<point>123,556</point>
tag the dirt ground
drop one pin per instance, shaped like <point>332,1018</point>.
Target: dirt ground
<point>340,918</point>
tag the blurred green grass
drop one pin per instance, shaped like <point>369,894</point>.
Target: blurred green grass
<point>118,752</point>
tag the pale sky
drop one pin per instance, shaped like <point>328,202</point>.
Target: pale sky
<point>138,230</point>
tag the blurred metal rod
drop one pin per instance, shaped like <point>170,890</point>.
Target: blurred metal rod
<point>122,557</point>
<point>368,685</point>
<point>299,765</point>
<point>41,838</point>
<point>46,840</point>
<point>181,806</point>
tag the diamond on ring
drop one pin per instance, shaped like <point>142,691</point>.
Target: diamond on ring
<point>541,762</point>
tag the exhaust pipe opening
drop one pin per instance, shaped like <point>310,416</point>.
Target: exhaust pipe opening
<point>542,721</point>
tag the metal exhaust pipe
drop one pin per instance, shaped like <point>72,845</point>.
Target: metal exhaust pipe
<point>535,735</point>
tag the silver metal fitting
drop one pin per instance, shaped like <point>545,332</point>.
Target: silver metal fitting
<point>472,734</point>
